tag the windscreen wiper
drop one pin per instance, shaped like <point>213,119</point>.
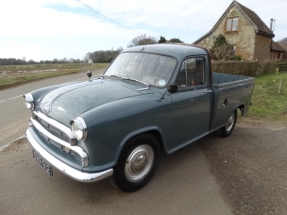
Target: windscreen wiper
<point>132,79</point>
<point>116,76</point>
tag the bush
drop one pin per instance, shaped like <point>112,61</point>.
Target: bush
<point>236,57</point>
<point>221,49</point>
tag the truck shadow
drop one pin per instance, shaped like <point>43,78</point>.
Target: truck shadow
<point>184,168</point>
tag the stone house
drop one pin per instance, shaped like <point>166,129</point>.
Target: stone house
<point>245,31</point>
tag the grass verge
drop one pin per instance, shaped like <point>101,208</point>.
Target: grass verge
<point>16,78</point>
<point>266,101</point>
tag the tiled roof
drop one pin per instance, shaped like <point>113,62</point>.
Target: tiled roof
<point>283,46</point>
<point>256,20</point>
<point>277,46</point>
<point>259,26</point>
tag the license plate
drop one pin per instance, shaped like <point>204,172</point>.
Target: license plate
<point>43,163</point>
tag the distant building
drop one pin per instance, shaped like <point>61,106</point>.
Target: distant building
<point>246,32</point>
<point>278,51</point>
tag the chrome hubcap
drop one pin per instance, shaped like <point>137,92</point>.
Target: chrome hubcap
<point>230,123</point>
<point>139,163</point>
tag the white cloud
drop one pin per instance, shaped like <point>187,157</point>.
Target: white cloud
<point>38,21</point>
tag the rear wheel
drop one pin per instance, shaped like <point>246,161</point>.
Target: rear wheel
<point>137,163</point>
<point>227,129</point>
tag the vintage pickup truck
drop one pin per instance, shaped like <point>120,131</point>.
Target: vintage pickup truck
<point>152,99</point>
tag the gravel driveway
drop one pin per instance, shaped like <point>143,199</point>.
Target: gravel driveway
<point>251,168</point>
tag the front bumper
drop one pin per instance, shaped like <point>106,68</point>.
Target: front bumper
<point>64,168</point>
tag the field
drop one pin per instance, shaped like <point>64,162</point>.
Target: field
<point>266,101</point>
<point>15,75</point>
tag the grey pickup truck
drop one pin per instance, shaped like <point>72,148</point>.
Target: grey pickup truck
<point>151,100</point>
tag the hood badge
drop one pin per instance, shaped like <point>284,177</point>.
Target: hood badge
<point>46,108</point>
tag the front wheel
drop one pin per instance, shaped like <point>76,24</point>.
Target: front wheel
<point>137,163</point>
<point>227,129</point>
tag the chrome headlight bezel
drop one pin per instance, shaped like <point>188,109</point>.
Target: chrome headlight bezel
<point>29,101</point>
<point>79,129</point>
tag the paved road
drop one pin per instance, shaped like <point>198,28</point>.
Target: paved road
<point>14,115</point>
<point>251,166</point>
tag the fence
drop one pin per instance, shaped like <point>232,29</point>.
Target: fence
<point>282,66</point>
<point>248,68</point>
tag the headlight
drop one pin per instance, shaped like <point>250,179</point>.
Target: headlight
<point>29,101</point>
<point>29,105</point>
<point>79,129</point>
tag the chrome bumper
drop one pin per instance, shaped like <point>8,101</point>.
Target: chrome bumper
<point>64,168</point>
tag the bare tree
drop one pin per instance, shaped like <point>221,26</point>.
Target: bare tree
<point>142,40</point>
<point>222,52</point>
<point>87,57</point>
<point>119,49</point>
<point>284,41</point>
<point>221,49</point>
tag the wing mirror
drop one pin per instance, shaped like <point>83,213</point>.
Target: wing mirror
<point>172,88</point>
<point>89,74</point>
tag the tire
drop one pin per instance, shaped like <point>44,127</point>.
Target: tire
<point>227,129</point>
<point>137,163</point>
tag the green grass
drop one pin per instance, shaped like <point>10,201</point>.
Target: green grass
<point>16,78</point>
<point>266,101</point>
<point>41,66</point>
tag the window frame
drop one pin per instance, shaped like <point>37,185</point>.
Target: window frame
<point>196,86</point>
<point>232,21</point>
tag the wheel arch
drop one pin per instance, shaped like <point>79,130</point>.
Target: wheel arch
<point>241,108</point>
<point>153,130</point>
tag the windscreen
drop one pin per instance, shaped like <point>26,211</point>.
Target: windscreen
<point>152,69</point>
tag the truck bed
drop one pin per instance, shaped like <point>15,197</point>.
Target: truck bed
<point>230,91</point>
<point>220,78</point>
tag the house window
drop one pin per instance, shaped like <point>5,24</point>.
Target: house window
<point>232,24</point>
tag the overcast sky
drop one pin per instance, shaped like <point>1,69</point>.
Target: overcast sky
<point>48,29</point>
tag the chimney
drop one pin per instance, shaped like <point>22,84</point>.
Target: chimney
<point>271,24</point>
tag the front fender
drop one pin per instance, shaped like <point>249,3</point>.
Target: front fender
<point>112,124</point>
<point>142,131</point>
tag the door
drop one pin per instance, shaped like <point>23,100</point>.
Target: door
<point>191,103</point>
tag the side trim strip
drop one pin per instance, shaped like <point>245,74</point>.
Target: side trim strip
<point>64,168</point>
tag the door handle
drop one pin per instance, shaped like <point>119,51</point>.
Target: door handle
<point>208,91</point>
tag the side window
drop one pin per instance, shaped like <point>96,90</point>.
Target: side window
<point>191,73</point>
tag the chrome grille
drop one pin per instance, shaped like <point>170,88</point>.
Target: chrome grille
<point>59,136</point>
<point>53,130</point>
<point>54,143</point>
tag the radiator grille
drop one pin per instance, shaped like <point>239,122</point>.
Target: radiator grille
<point>53,130</point>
